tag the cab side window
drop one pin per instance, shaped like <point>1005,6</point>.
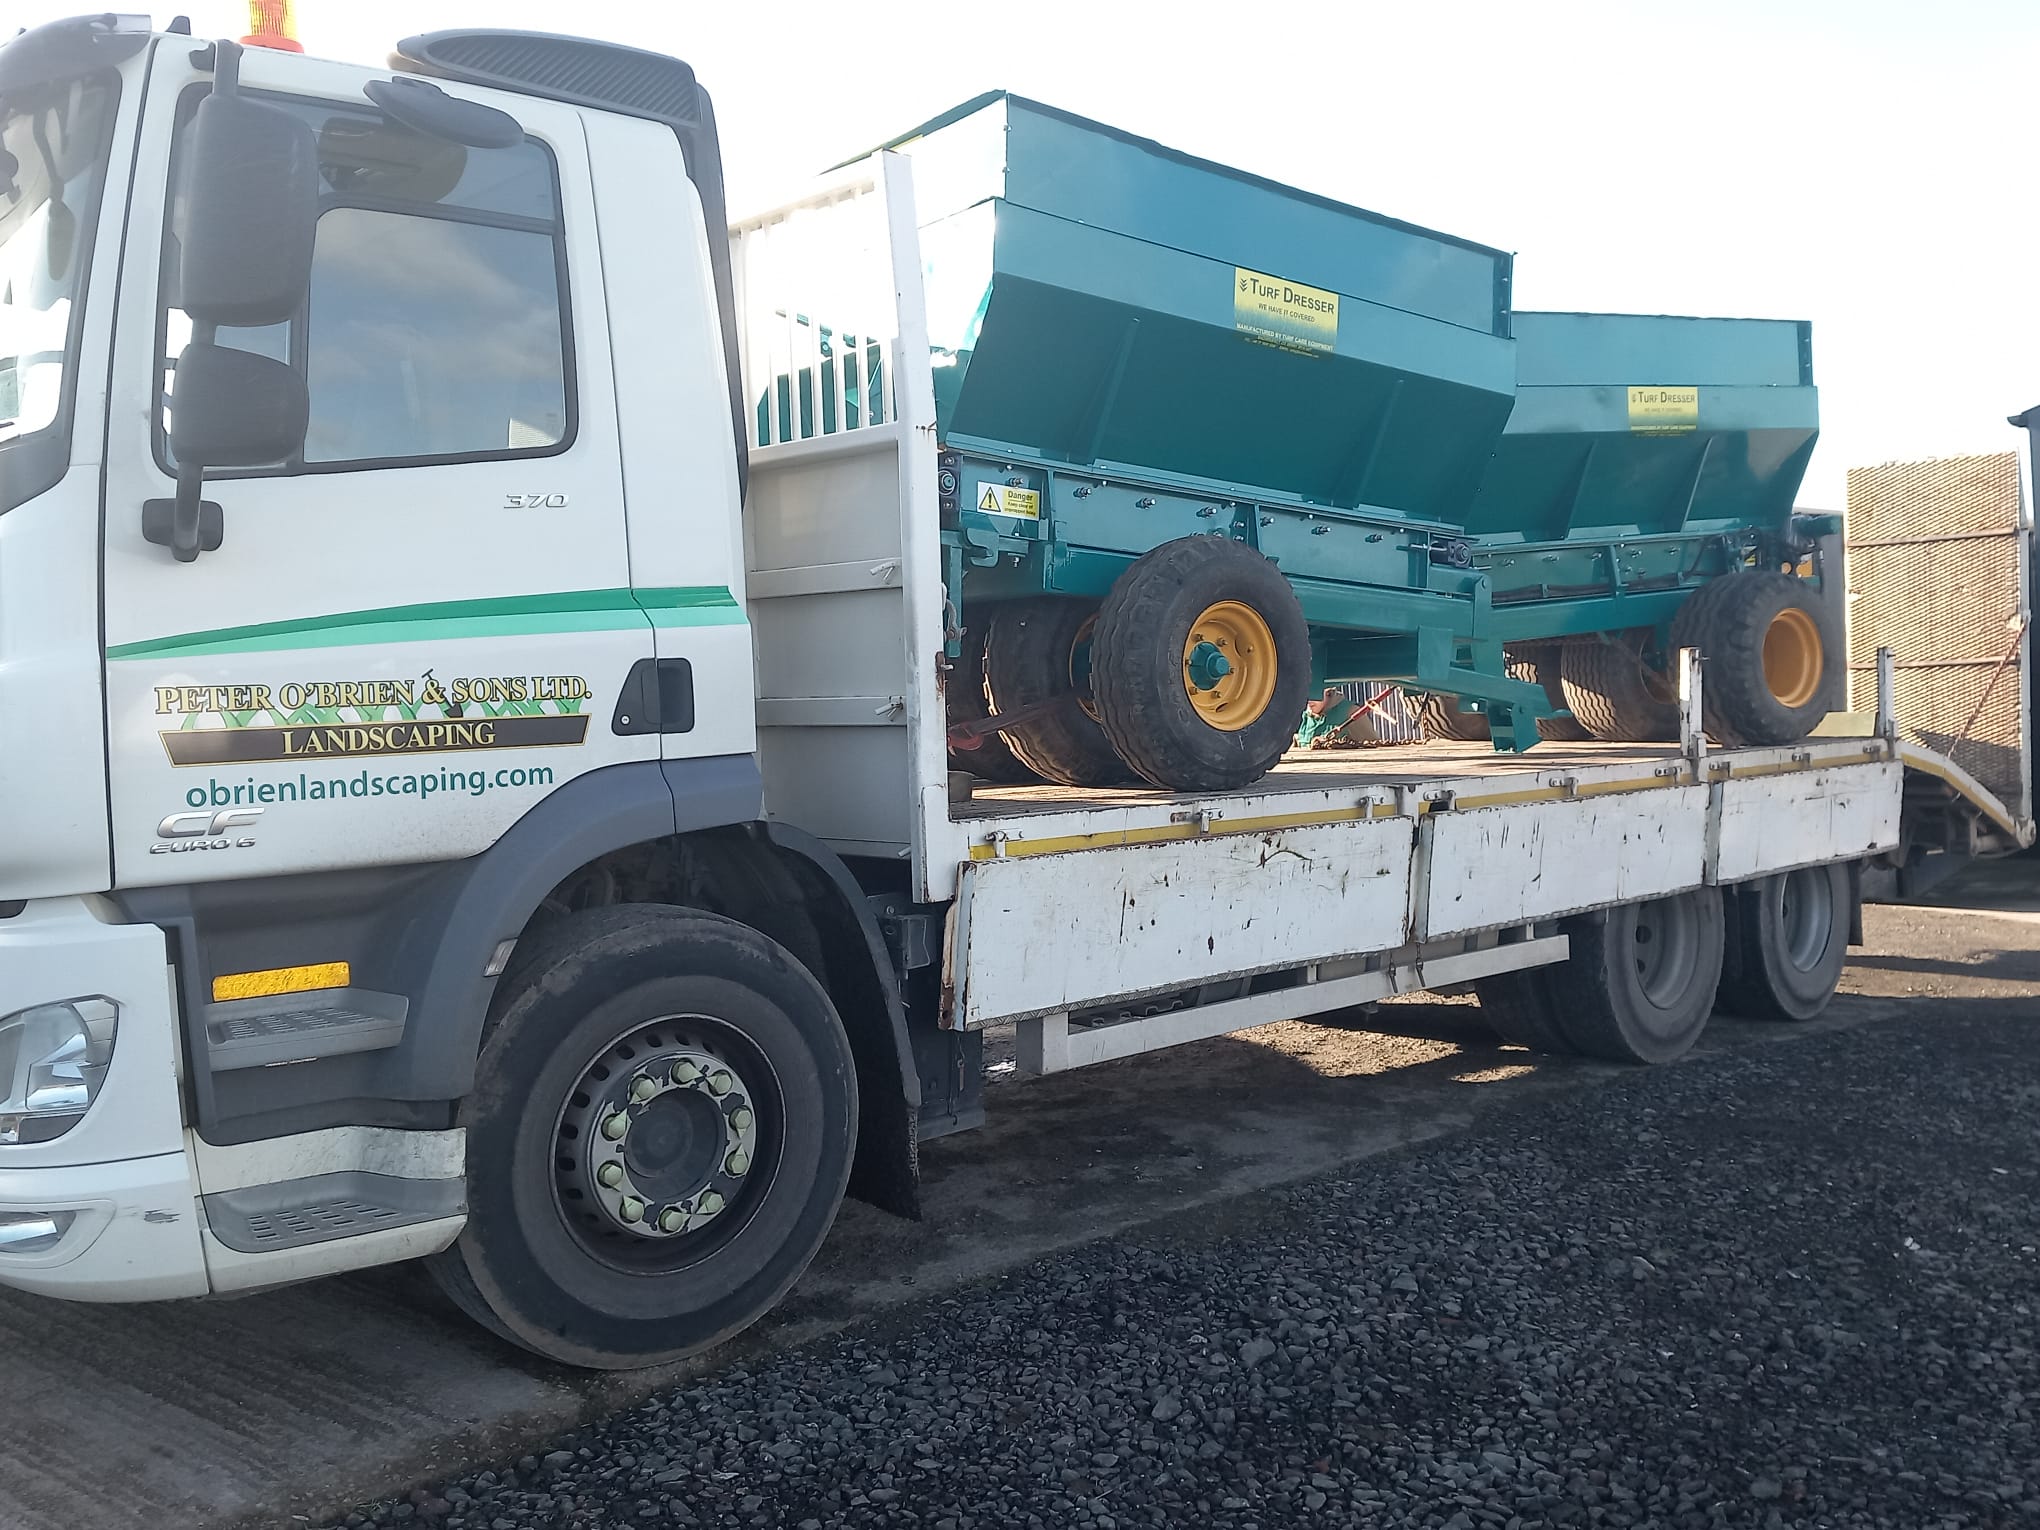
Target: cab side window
<point>437,325</point>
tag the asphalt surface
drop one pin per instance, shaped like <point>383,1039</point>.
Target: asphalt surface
<point>1285,1188</point>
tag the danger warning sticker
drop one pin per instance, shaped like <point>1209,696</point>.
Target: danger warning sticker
<point>999,499</point>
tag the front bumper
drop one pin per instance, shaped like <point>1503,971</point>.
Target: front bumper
<point>113,1198</point>
<point>129,1231</point>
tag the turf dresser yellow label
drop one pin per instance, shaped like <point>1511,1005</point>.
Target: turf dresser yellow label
<point>1288,314</point>
<point>1663,411</point>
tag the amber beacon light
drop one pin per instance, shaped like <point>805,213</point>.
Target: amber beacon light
<point>271,24</point>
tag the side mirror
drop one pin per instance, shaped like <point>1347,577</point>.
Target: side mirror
<point>228,408</point>
<point>233,408</point>
<point>247,214</point>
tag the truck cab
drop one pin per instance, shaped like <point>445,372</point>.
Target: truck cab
<point>306,732</point>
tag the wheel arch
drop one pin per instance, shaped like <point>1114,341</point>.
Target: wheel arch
<point>789,886</point>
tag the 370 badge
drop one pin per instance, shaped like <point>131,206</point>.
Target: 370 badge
<point>341,719</point>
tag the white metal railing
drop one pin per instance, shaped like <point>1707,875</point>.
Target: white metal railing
<point>818,311</point>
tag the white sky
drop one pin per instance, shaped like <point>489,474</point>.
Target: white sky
<point>1866,164</point>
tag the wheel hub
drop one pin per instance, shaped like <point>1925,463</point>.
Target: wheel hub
<point>1229,665</point>
<point>661,1147</point>
<point>1805,916</point>
<point>1666,948</point>
<point>1792,657</point>
<point>1207,665</point>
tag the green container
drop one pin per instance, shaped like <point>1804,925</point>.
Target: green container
<point>1097,300</point>
<point>1630,425</point>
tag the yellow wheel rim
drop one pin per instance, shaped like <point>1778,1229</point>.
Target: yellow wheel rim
<point>1229,665</point>
<point>1792,657</point>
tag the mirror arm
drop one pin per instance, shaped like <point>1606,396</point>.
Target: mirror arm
<point>223,58</point>
<point>186,534</point>
<point>184,513</point>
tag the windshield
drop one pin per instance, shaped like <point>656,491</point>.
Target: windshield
<point>53,148</point>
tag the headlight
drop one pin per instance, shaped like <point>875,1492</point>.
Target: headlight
<point>52,1061</point>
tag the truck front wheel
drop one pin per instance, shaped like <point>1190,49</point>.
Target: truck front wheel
<point>658,1138</point>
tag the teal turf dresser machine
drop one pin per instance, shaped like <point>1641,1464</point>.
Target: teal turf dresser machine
<point>1209,442</point>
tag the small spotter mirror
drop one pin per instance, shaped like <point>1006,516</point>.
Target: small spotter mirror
<point>425,108</point>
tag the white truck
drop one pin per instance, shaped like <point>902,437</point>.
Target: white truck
<point>475,784</point>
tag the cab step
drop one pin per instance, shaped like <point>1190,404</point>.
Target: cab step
<point>269,1032</point>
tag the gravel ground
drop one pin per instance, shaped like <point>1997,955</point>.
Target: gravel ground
<point>1790,1285</point>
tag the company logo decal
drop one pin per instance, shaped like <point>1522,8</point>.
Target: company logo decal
<point>232,830</point>
<point>337,719</point>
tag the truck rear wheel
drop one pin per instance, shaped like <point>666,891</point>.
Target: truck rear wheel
<point>965,701</point>
<point>1617,696</point>
<point>1788,938</point>
<point>1201,664</point>
<point>1517,1008</point>
<point>1641,980</point>
<point>1040,650</point>
<point>1768,647</point>
<point>1440,717</point>
<point>658,1138</point>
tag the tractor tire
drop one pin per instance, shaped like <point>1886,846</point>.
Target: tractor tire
<point>1642,977</point>
<point>1543,670</point>
<point>1440,718</point>
<point>1690,626</point>
<point>1769,648</point>
<point>1037,650</point>
<point>1788,937</point>
<point>1201,664</point>
<point>965,701</point>
<point>1614,695</point>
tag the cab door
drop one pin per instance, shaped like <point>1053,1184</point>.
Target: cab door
<point>417,628</point>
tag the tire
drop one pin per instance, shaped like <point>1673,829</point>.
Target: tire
<point>1641,980</point>
<point>550,1259</point>
<point>1788,938</point>
<point>965,701</point>
<point>1439,716</point>
<point>1187,602</point>
<point>1543,671</point>
<point>1770,647</point>
<point>1517,1008</point>
<point>1036,650</point>
<point>1614,695</point>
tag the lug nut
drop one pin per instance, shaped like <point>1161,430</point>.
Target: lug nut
<point>610,1175</point>
<point>642,1089</point>
<point>710,1203</point>
<point>738,1162</point>
<point>684,1072</point>
<point>614,1125</point>
<point>672,1219</point>
<point>632,1209</point>
<point>741,1118</point>
<point>720,1083</point>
